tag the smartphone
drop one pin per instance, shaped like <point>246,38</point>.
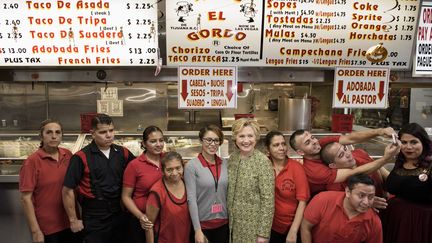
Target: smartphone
<point>394,139</point>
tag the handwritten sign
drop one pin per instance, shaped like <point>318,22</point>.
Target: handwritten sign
<point>207,87</point>
<point>361,88</point>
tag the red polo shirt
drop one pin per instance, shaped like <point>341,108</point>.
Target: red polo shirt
<point>319,174</point>
<point>291,186</point>
<point>43,175</point>
<point>141,174</point>
<point>362,157</point>
<point>331,224</point>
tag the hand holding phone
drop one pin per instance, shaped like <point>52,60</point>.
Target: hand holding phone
<point>394,139</point>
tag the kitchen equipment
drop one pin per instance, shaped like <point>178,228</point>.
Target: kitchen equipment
<point>294,113</point>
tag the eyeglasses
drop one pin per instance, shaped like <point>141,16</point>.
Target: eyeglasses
<point>209,141</point>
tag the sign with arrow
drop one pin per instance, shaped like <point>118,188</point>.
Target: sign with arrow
<point>203,87</point>
<point>361,88</point>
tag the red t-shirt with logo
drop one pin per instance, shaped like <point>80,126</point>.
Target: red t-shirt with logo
<point>291,186</point>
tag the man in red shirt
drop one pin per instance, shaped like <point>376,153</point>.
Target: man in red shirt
<point>338,156</point>
<point>341,217</point>
<point>319,175</point>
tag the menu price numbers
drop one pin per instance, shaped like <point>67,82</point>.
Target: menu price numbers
<point>404,27</point>
<point>340,2</point>
<point>306,1</point>
<point>140,36</point>
<point>139,6</point>
<point>12,50</point>
<point>12,36</point>
<point>307,12</point>
<point>139,21</point>
<point>139,50</point>
<point>322,21</point>
<point>405,37</point>
<point>10,5</point>
<point>142,61</point>
<point>410,8</point>
<point>308,35</point>
<point>303,62</point>
<point>409,19</point>
<point>232,59</point>
<point>340,14</point>
<point>358,62</point>
<point>339,40</point>
<point>340,26</point>
<point>12,22</point>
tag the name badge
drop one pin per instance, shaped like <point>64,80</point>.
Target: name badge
<point>216,208</point>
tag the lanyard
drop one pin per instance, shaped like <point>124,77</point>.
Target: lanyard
<point>216,179</point>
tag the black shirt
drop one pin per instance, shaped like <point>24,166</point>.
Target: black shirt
<point>100,177</point>
<point>405,184</point>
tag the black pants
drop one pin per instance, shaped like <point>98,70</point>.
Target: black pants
<point>217,235</point>
<point>64,236</point>
<point>276,237</point>
<point>136,232</point>
<point>104,222</point>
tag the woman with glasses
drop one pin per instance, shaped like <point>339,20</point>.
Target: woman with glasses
<point>139,176</point>
<point>206,180</point>
<point>167,204</point>
<point>250,187</point>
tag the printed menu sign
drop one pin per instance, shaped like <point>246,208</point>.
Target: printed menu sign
<point>213,32</point>
<point>201,87</point>
<point>423,55</point>
<point>281,33</point>
<point>360,88</point>
<point>78,33</point>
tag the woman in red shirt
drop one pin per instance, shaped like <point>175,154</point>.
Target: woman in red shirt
<point>291,191</point>
<point>167,204</point>
<point>139,176</point>
<point>40,184</point>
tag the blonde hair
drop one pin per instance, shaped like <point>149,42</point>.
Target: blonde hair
<point>242,123</point>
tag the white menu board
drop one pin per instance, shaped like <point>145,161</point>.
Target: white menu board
<point>214,32</point>
<point>423,56</point>
<point>281,33</point>
<point>78,33</point>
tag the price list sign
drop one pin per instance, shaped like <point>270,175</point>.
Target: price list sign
<point>214,32</point>
<point>423,55</point>
<point>329,33</point>
<point>78,33</point>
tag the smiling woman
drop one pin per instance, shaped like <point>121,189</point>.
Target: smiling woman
<point>250,187</point>
<point>409,213</point>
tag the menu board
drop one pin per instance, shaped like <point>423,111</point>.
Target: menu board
<point>281,33</point>
<point>78,33</point>
<point>423,56</point>
<point>213,32</point>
